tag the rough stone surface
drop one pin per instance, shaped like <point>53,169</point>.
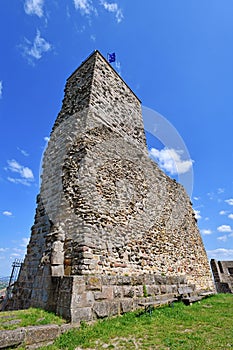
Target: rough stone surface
<point>31,337</point>
<point>223,275</point>
<point>106,214</point>
<point>11,338</point>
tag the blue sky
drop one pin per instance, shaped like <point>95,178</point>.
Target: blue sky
<point>176,55</point>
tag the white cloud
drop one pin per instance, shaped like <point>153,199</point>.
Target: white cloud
<point>221,190</point>
<point>46,139</point>
<point>118,67</point>
<point>197,214</point>
<point>19,181</point>
<point>196,198</point>
<point>1,88</point>
<point>68,12</point>
<point>206,232</point>
<point>230,216</point>
<point>229,201</point>
<point>224,228</point>
<point>170,160</point>
<point>223,212</point>
<point>113,7</point>
<point>34,7</point>
<point>26,174</point>
<point>220,254</point>
<point>25,241</point>
<point>3,250</point>
<point>35,49</point>
<point>222,238</point>
<point>26,154</point>
<point>7,213</point>
<point>85,6</point>
<point>15,255</point>
<point>210,195</point>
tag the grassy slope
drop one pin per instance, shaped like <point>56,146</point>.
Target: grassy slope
<point>202,326</point>
<point>29,317</point>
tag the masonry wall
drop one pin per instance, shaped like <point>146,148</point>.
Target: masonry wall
<point>90,297</point>
<point>105,208</point>
<point>223,275</point>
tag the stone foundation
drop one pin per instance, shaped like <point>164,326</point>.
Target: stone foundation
<point>96,296</point>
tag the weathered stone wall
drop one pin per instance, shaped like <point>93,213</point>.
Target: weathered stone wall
<point>223,275</point>
<point>98,296</point>
<point>105,208</point>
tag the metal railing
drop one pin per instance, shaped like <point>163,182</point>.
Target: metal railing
<point>16,266</point>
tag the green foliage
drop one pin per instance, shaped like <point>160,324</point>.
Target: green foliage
<point>204,325</point>
<point>29,317</point>
<point>145,294</point>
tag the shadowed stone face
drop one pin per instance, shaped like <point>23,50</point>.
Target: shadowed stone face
<point>117,184</point>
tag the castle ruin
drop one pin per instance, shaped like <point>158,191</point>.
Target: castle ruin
<point>223,275</point>
<point>109,224</point>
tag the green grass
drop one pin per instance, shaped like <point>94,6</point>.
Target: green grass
<point>29,317</point>
<point>202,326</point>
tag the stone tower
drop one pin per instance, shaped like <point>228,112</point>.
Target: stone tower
<point>109,223</point>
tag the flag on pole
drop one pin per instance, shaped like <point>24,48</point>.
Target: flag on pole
<point>111,57</point>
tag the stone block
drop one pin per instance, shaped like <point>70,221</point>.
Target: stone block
<point>78,280</point>
<point>128,291</point>
<point>81,314</point>
<point>109,280</point>
<point>93,283</point>
<point>66,283</point>
<point>137,280</point>
<point>185,290</point>
<point>87,255</point>
<point>40,334</point>
<point>78,288</point>
<point>149,279</point>
<point>174,288</point>
<point>57,270</point>
<point>158,279</point>
<point>138,291</point>
<point>107,293</point>
<point>57,258</point>
<point>114,308</point>
<point>85,299</point>
<point>123,280</point>
<point>57,246</point>
<point>127,305</point>
<point>163,289</point>
<point>152,290</point>
<point>101,309</point>
<point>182,280</point>
<point>12,338</point>
<point>117,291</point>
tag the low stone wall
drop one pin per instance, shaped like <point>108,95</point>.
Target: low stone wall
<point>90,297</point>
<point>31,337</point>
